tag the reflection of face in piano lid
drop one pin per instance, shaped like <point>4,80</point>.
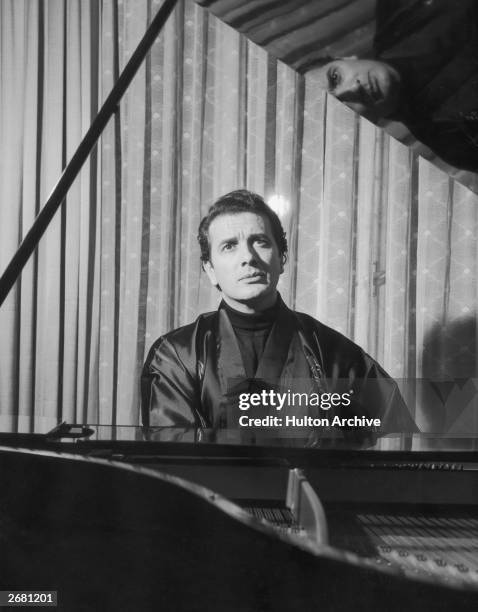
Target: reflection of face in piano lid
<point>369,87</point>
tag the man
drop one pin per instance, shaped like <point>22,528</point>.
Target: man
<point>205,373</point>
<point>425,74</point>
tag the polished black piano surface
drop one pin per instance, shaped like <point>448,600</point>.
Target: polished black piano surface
<point>174,519</point>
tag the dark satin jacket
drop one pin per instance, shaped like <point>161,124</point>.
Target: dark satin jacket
<point>193,375</point>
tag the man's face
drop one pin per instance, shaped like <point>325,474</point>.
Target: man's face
<point>369,87</point>
<point>244,260</point>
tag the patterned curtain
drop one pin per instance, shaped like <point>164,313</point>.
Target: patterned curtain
<point>382,243</point>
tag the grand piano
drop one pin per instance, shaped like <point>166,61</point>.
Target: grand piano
<point>127,518</point>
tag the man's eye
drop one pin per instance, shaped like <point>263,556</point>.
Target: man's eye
<point>263,242</point>
<point>228,246</point>
<point>334,78</point>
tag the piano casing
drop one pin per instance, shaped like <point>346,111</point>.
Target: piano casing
<point>148,525</point>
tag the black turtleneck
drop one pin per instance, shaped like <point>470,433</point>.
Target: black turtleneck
<point>252,331</point>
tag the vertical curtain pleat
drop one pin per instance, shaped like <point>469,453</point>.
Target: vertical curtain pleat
<point>397,296</point>
<point>12,93</point>
<point>382,244</point>
<point>129,212</point>
<point>88,386</point>
<point>109,184</point>
<point>31,181</point>
<point>334,263</point>
<point>365,206</point>
<point>192,99</point>
<point>286,92</point>
<point>256,108</point>
<point>75,217</point>
<point>47,365</point>
<point>311,246</point>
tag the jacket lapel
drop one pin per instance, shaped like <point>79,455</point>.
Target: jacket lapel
<point>230,367</point>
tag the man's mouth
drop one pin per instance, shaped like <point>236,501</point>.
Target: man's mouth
<point>253,275</point>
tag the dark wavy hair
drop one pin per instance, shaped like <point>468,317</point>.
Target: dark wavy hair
<point>235,202</point>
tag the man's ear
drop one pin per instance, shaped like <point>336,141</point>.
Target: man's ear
<point>207,266</point>
<point>283,261</point>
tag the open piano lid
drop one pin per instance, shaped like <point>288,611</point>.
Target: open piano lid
<point>301,32</point>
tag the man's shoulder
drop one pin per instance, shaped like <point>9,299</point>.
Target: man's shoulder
<point>335,348</point>
<point>179,346</point>
<point>185,333</point>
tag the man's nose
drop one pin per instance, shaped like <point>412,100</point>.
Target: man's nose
<point>247,253</point>
<point>348,89</point>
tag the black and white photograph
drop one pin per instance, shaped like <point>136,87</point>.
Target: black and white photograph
<point>238,305</point>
